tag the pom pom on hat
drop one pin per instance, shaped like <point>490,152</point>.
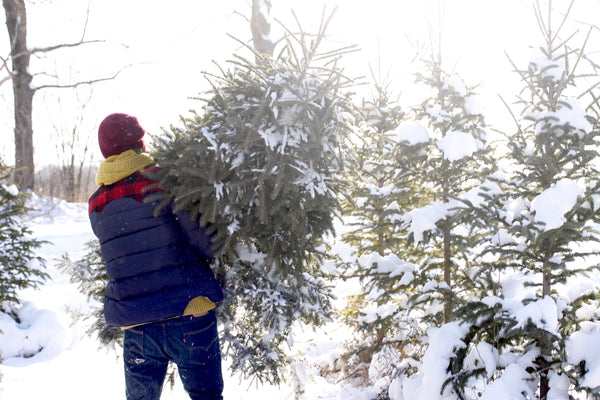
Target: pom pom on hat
<point>118,133</point>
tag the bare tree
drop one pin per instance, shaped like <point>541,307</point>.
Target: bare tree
<point>21,77</point>
<point>261,27</point>
<point>16,22</point>
<point>73,148</point>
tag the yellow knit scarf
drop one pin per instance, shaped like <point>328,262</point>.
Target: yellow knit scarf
<point>119,166</point>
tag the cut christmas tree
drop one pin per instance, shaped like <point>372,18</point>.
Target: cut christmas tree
<point>260,167</point>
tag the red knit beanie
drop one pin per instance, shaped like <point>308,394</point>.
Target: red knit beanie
<point>118,133</point>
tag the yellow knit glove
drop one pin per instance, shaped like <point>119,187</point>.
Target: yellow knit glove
<point>199,305</point>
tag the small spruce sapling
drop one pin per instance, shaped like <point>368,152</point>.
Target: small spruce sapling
<point>21,267</point>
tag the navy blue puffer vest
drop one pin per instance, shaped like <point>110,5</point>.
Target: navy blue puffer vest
<point>155,264</point>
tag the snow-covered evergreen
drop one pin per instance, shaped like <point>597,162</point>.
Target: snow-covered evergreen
<point>416,280</point>
<point>383,185</point>
<point>521,337</point>
<point>260,166</point>
<point>21,268</point>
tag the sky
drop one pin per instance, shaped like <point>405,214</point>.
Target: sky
<point>166,49</point>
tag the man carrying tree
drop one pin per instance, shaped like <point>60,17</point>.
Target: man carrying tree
<point>161,289</point>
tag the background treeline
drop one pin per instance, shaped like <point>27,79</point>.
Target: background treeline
<point>66,183</point>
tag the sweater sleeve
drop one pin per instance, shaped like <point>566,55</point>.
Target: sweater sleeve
<point>196,235</point>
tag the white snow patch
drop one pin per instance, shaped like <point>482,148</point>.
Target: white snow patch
<point>553,203</point>
<point>412,133</point>
<point>457,145</point>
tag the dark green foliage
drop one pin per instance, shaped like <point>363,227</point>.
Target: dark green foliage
<point>372,176</point>
<point>446,252</point>
<point>260,167</point>
<point>258,314</point>
<point>382,186</point>
<point>20,267</point>
<point>395,175</point>
<point>89,273</point>
<point>556,145</point>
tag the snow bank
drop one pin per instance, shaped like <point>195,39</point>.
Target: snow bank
<point>444,342</point>
<point>37,336</point>
<point>44,345</point>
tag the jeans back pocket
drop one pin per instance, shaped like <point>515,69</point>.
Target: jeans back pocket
<point>202,344</point>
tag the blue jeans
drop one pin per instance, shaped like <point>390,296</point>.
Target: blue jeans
<point>191,343</point>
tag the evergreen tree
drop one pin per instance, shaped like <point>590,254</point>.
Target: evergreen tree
<point>259,166</point>
<point>371,176</point>
<point>545,217</point>
<point>89,273</point>
<point>441,225</point>
<point>383,185</point>
<point>20,267</point>
<point>459,160</point>
<point>420,277</point>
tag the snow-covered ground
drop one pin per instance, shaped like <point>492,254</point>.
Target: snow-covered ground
<point>49,356</point>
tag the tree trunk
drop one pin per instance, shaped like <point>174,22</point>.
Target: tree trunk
<point>261,27</point>
<point>545,343</point>
<point>447,248</point>
<point>16,22</point>
<point>448,306</point>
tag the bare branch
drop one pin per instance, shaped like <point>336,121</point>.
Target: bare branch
<point>5,79</point>
<point>514,117</point>
<point>242,15</point>
<point>581,52</point>
<point>595,102</point>
<point>564,20</point>
<point>4,62</point>
<point>81,83</point>
<point>87,18</point>
<point>81,41</point>
<point>590,91</point>
<point>522,74</point>
<point>63,45</point>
